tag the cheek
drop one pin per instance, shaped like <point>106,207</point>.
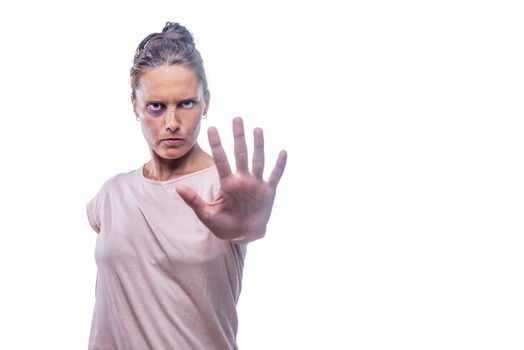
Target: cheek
<point>190,121</point>
<point>195,129</point>
<point>148,130</point>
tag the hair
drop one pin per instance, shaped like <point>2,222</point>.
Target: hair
<point>173,46</point>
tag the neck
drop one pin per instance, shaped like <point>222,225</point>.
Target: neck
<point>161,169</point>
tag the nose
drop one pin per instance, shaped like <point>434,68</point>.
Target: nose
<point>172,123</point>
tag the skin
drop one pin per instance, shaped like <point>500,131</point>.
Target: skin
<point>170,102</point>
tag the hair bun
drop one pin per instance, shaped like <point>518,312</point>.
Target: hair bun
<point>176,31</point>
<point>173,46</point>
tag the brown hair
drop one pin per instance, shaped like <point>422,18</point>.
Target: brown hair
<point>173,46</point>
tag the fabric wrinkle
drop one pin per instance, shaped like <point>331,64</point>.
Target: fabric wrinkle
<point>164,281</point>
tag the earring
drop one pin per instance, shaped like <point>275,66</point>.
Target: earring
<point>204,116</point>
<point>137,118</point>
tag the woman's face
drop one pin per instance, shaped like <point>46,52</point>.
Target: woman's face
<point>170,102</point>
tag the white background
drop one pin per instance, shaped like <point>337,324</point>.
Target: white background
<point>398,223</point>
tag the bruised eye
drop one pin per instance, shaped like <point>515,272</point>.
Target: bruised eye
<point>155,108</point>
<point>187,104</point>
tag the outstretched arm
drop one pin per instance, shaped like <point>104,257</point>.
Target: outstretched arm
<point>243,206</point>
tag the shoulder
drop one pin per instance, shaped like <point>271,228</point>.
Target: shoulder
<point>116,183</point>
<point>112,188</point>
<point>125,177</point>
<point>119,180</point>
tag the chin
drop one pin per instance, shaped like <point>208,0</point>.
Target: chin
<point>172,153</point>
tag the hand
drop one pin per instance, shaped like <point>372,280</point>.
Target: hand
<point>243,206</point>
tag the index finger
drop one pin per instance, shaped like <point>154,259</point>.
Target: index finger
<point>278,170</point>
<point>219,156</point>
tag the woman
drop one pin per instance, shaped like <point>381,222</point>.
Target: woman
<point>172,234</point>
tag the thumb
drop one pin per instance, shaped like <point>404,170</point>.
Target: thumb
<point>192,199</point>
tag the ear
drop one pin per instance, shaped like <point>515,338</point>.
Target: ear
<point>134,103</point>
<point>207,97</point>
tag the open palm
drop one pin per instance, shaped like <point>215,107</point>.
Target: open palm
<point>243,206</point>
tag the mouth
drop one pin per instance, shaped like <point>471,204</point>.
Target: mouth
<point>173,141</point>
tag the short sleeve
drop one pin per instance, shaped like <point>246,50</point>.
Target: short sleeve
<point>93,213</point>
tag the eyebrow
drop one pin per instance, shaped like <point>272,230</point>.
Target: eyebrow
<point>153,100</point>
<point>190,98</point>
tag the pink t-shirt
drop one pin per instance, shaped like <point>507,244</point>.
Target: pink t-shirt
<point>164,280</point>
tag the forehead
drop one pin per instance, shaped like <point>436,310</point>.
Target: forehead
<point>169,82</point>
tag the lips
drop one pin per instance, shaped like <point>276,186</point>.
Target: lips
<point>173,141</point>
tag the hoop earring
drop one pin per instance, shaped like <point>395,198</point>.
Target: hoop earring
<point>204,116</point>
<point>137,118</point>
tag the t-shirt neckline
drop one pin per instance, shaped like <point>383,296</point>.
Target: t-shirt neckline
<point>140,172</point>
